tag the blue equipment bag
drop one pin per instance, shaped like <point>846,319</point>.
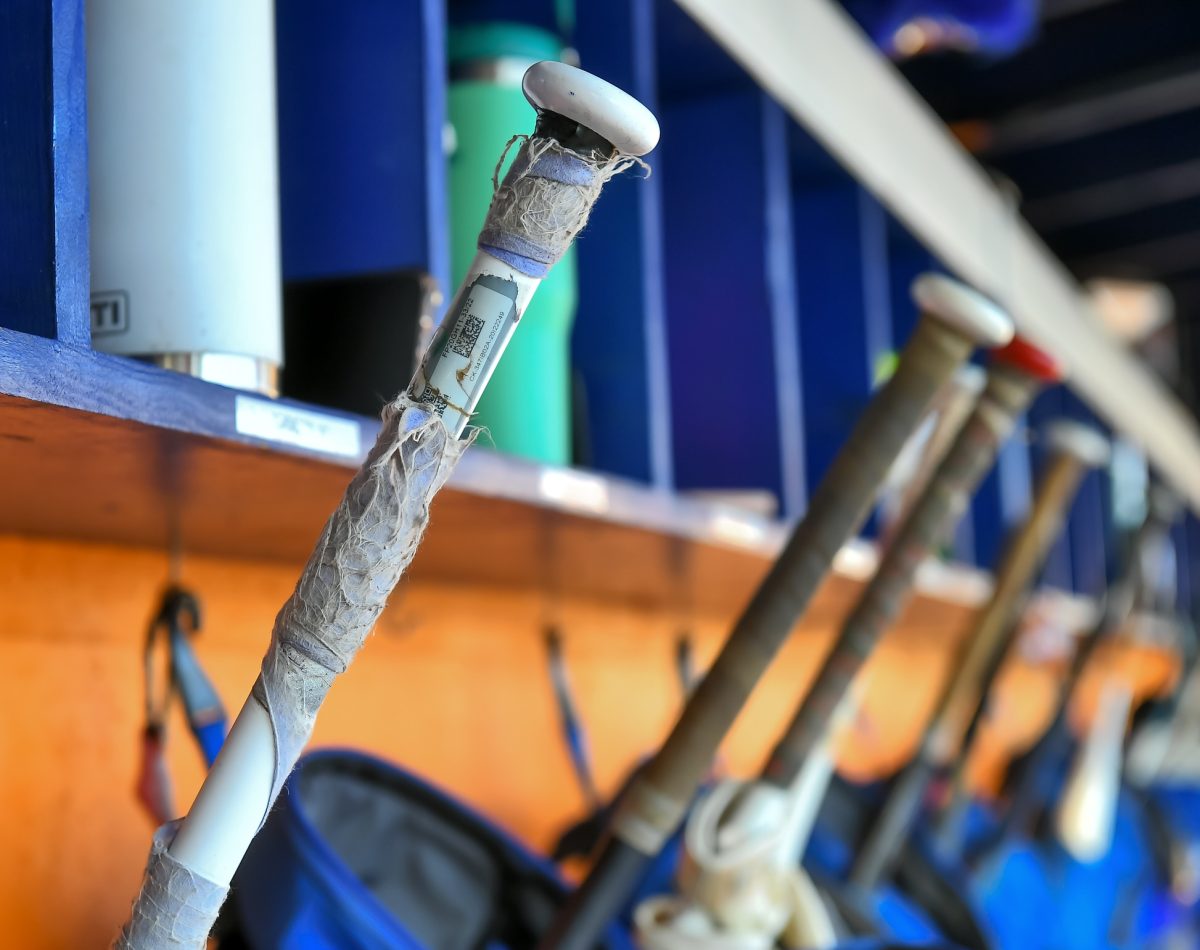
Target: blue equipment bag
<point>1122,900</point>
<point>361,855</point>
<point>1107,904</point>
<point>1173,818</point>
<point>929,900</point>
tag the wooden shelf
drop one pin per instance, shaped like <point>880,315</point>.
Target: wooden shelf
<point>102,448</point>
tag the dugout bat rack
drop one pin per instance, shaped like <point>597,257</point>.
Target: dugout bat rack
<point>780,290</point>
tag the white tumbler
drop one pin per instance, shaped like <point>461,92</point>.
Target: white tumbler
<point>185,186</point>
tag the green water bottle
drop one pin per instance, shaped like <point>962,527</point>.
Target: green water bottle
<point>527,405</point>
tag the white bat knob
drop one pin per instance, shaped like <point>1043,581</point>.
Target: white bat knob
<point>614,115</point>
<point>967,310</point>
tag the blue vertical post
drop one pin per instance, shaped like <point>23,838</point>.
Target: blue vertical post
<point>843,286</point>
<point>1057,571</point>
<point>72,274</point>
<point>1090,525</point>
<point>361,124</point>
<point>1081,559</point>
<point>44,276</point>
<point>784,305</point>
<point>736,405</point>
<point>907,259</point>
<point>1003,499</point>
<point>1191,569</point>
<point>619,344</point>
<point>1185,579</point>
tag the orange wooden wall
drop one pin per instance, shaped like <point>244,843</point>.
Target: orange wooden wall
<point>453,684</point>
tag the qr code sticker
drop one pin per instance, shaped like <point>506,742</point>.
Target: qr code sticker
<point>466,334</point>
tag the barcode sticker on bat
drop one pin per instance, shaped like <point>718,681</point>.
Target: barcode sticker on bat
<point>315,431</point>
<point>471,350</point>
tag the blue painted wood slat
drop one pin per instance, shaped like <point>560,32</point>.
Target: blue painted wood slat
<point>1004,497</point>
<point>841,268</point>
<point>361,119</point>
<point>1057,571</point>
<point>735,417</point>
<point>43,170</point>
<point>1086,557</point>
<point>27,190</point>
<point>619,344</point>
<point>1094,559</point>
<point>62,375</point>
<point>784,305</point>
<point>72,273</point>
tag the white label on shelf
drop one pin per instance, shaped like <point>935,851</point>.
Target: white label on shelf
<point>574,490</point>
<point>300,427</point>
<point>735,528</point>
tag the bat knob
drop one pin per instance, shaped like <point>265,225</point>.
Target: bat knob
<point>614,115</point>
<point>1079,440</point>
<point>964,309</point>
<point>1031,359</point>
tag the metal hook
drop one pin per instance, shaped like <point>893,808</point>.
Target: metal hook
<point>178,619</point>
<point>685,663</point>
<point>178,615</point>
<point>572,725</point>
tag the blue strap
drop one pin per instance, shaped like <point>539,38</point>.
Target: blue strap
<point>177,618</point>
<point>210,738</point>
<point>205,712</point>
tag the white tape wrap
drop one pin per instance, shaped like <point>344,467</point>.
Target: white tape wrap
<point>367,544</point>
<point>738,858</point>
<point>646,817</point>
<point>365,547</point>
<point>175,908</point>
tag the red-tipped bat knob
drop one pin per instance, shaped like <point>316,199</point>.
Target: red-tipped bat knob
<point>1031,359</point>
